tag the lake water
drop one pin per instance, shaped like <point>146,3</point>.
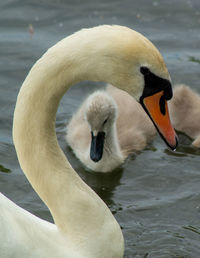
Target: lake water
<point>155,195</point>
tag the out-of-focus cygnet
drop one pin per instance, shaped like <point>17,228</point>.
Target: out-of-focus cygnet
<point>108,126</point>
<point>184,109</point>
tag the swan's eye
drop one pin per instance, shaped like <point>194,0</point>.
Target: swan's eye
<point>144,70</point>
<point>105,121</point>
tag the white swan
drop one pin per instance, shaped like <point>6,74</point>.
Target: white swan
<point>185,114</point>
<point>108,126</point>
<point>84,226</point>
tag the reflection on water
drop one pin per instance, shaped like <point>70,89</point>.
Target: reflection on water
<point>155,195</point>
<point>184,148</point>
<point>194,59</point>
<point>4,170</point>
<point>103,184</point>
<point>193,229</point>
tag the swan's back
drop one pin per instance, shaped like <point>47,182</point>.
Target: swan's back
<point>18,228</point>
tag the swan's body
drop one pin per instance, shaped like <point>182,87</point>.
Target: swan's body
<point>185,114</point>
<point>126,126</point>
<point>84,226</point>
<point>25,235</point>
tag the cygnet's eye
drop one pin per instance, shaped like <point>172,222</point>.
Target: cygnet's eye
<point>105,121</point>
<point>144,70</point>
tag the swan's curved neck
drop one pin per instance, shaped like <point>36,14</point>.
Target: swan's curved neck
<point>75,208</point>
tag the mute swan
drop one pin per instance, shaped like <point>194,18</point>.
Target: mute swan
<point>84,226</point>
<point>184,109</point>
<point>120,123</point>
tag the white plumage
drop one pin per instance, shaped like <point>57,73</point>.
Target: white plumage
<point>84,226</point>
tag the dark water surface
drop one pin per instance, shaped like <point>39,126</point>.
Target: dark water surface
<point>155,195</point>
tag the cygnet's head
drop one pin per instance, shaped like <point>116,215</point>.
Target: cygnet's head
<point>101,113</point>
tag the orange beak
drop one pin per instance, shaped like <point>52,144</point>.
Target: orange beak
<point>157,109</point>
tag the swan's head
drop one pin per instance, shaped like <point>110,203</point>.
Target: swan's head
<point>129,61</point>
<point>122,57</point>
<point>101,113</point>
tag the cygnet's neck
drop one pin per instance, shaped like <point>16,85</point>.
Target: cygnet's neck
<point>112,151</point>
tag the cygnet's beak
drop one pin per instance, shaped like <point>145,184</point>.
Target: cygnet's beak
<point>157,109</point>
<point>97,144</point>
